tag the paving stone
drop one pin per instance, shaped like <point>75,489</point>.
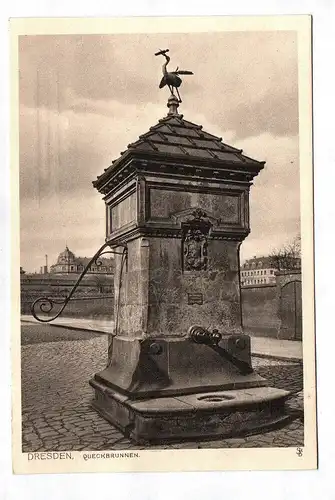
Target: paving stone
<point>68,413</point>
<point>103,427</point>
<point>50,445</point>
<point>83,425</point>
<point>51,415</point>
<point>70,420</point>
<point>63,431</point>
<point>69,442</point>
<point>111,442</point>
<point>235,440</point>
<point>34,441</point>
<point>40,423</point>
<point>70,427</point>
<point>49,435</point>
<point>28,429</point>
<point>84,433</point>
<point>29,435</point>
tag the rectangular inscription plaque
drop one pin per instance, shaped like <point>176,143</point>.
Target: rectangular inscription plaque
<point>195,298</point>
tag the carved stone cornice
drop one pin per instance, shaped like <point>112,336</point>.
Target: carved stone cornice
<point>126,235</point>
<point>171,167</point>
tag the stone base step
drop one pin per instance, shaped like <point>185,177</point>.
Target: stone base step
<point>209,415</point>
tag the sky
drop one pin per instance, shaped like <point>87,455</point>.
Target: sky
<point>83,99</point>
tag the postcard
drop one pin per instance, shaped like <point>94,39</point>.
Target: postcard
<point>162,242</point>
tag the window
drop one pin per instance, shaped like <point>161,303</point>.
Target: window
<point>265,271</point>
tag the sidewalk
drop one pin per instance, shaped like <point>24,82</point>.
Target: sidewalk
<point>260,346</point>
<point>276,348</point>
<point>95,325</point>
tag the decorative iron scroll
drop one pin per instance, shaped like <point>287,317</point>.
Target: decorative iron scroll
<point>46,304</point>
<point>195,241</point>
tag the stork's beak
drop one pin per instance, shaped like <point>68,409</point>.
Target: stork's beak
<point>161,52</point>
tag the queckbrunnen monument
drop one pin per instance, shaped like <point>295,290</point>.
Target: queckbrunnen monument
<point>177,211</point>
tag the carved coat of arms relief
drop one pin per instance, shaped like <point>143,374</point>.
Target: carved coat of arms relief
<point>195,242</point>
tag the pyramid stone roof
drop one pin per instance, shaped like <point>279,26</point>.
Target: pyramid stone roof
<point>174,139</point>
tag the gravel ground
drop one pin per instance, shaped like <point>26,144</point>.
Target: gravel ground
<point>56,367</point>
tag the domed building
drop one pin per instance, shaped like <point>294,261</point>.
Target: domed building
<point>68,263</point>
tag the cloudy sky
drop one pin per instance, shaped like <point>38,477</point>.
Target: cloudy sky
<point>83,99</point>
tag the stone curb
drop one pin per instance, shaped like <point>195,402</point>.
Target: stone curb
<point>276,357</point>
<point>69,327</point>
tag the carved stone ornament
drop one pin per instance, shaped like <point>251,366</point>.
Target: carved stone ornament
<point>195,250</point>
<point>198,215</point>
<point>195,244</point>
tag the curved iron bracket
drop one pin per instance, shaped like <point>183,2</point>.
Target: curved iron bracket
<point>46,304</point>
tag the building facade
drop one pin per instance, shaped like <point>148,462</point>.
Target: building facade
<point>258,271</point>
<point>68,263</point>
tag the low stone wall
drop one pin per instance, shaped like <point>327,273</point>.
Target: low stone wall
<point>101,307</point>
<point>260,310</point>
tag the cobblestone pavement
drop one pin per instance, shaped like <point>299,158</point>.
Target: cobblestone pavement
<point>56,412</point>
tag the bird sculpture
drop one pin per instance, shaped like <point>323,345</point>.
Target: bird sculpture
<point>171,78</point>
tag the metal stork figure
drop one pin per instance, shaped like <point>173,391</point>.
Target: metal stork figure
<point>171,79</point>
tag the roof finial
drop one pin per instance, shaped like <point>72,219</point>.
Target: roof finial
<point>173,105</point>
<point>171,78</point>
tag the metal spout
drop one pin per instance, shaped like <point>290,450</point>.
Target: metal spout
<point>237,351</point>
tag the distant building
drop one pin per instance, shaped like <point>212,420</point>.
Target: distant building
<point>68,263</point>
<point>258,271</point>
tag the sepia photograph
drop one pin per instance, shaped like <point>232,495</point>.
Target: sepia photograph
<point>164,314</point>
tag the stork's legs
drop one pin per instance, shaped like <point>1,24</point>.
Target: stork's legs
<point>178,94</point>
<point>171,90</point>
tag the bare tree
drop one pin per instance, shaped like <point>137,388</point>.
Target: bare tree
<point>288,257</point>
